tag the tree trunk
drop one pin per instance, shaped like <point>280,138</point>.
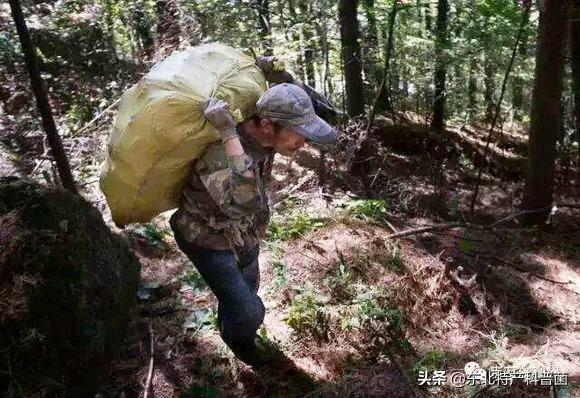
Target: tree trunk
<point>371,44</point>
<point>265,31</point>
<point>167,24</point>
<point>309,44</point>
<point>545,117</point>
<point>428,18</point>
<point>142,27</point>
<point>321,25</point>
<point>37,85</point>
<point>472,89</point>
<point>518,82</point>
<point>383,100</point>
<point>438,122</point>
<point>489,85</point>
<point>574,41</point>
<point>296,39</point>
<point>349,35</point>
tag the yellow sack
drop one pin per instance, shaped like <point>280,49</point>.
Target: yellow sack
<point>160,127</point>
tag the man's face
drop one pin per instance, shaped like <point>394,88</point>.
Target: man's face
<point>281,139</point>
<point>288,141</point>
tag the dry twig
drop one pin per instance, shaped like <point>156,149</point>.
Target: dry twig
<point>148,391</point>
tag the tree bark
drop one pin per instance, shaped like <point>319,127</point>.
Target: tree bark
<point>545,117</point>
<point>296,38</point>
<point>438,122</point>
<point>349,35</point>
<point>472,88</point>
<point>167,24</point>
<point>142,27</point>
<point>518,81</point>
<point>383,99</point>
<point>489,85</point>
<point>37,85</point>
<point>574,41</point>
<point>309,44</point>
<point>265,31</point>
<point>371,56</point>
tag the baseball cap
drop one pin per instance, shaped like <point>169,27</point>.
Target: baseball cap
<point>290,106</point>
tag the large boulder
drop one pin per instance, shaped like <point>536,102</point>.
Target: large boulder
<point>67,286</point>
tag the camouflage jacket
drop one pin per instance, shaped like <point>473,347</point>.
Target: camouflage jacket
<point>220,208</point>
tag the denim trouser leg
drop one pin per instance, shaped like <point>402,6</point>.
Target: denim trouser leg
<point>240,310</point>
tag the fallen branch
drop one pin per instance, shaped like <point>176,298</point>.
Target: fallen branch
<point>520,269</point>
<point>151,363</point>
<point>437,227</point>
<point>451,225</point>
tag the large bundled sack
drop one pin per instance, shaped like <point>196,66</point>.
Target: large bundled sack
<point>160,126</point>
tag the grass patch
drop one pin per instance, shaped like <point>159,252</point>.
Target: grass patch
<point>370,210</point>
<point>280,278</point>
<point>293,227</point>
<point>306,316</point>
<point>429,362</point>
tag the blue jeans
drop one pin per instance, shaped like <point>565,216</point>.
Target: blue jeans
<point>235,283</point>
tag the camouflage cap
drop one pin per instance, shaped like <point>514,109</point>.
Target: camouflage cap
<point>291,107</point>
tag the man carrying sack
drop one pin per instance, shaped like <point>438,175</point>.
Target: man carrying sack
<point>224,210</point>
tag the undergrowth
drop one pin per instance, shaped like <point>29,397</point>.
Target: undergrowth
<point>307,316</point>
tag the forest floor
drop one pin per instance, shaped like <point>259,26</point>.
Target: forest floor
<point>359,314</point>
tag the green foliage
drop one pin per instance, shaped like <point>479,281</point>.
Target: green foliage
<point>200,392</point>
<point>279,279</point>
<point>194,279</point>
<point>368,308</point>
<point>150,234</point>
<point>78,114</point>
<point>341,283</point>
<point>466,246</point>
<point>394,259</point>
<point>367,209</point>
<point>306,316</point>
<point>293,227</point>
<point>429,362</point>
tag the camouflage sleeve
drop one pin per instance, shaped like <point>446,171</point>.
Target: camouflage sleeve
<point>236,196</point>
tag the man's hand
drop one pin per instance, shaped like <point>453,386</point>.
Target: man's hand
<point>217,113</point>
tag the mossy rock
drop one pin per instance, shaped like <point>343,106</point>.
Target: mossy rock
<point>67,285</point>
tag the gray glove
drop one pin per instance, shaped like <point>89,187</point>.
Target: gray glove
<point>217,113</point>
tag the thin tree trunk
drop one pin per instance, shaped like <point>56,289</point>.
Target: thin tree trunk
<point>321,25</point>
<point>518,81</point>
<point>37,85</point>
<point>265,31</point>
<point>142,27</point>
<point>489,85</point>
<point>371,44</point>
<point>349,35</point>
<point>309,44</point>
<point>574,42</point>
<point>167,24</point>
<point>438,122</point>
<point>296,39</point>
<point>523,24</point>
<point>545,117</point>
<point>383,99</point>
<point>428,17</point>
<point>472,89</point>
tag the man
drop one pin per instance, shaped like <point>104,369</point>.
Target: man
<point>224,210</point>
